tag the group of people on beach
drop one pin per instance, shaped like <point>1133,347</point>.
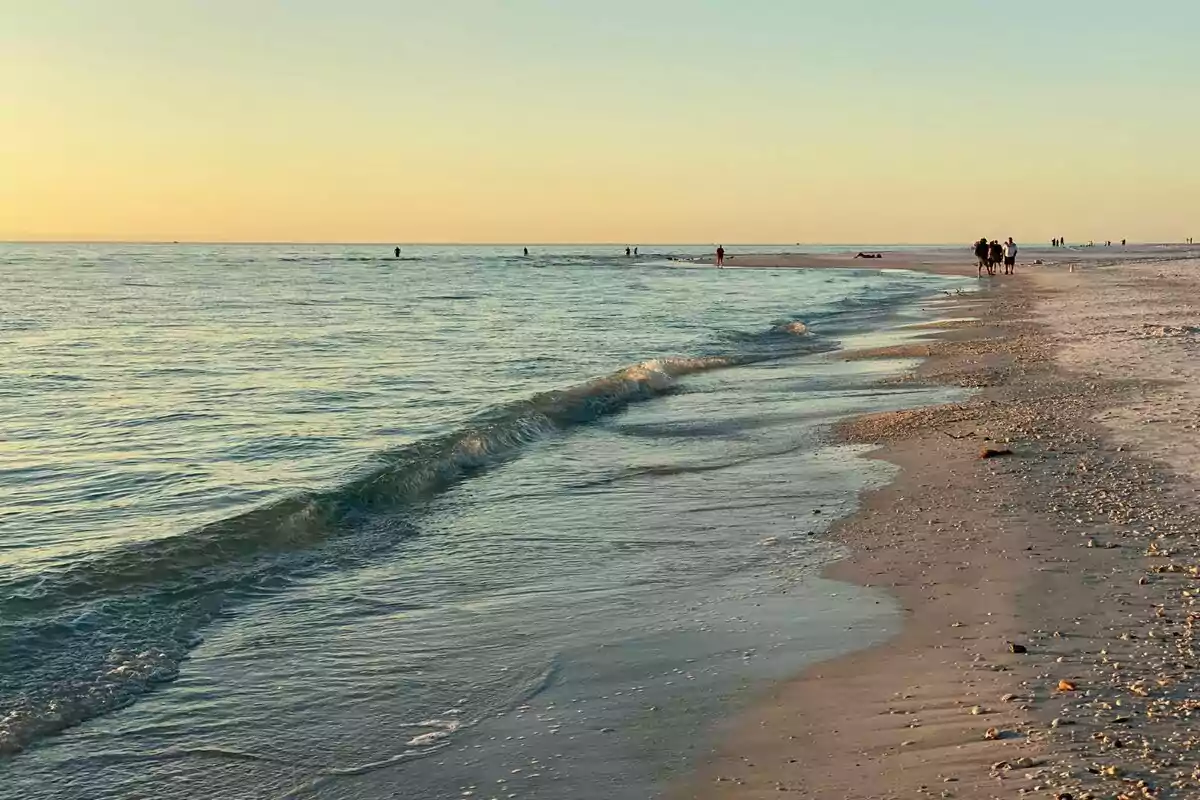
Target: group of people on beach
<point>1062,243</point>
<point>632,252</point>
<point>994,254</point>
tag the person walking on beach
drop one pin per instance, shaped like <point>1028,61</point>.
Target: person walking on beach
<point>995,256</point>
<point>1010,257</point>
<point>981,253</point>
<point>720,257</point>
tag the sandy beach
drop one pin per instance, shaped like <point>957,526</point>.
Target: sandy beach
<point>1042,538</point>
<point>943,261</point>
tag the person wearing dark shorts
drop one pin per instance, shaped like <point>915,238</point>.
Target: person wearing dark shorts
<point>995,256</point>
<point>1010,257</point>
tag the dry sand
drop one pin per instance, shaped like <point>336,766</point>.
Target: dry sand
<point>1082,547</point>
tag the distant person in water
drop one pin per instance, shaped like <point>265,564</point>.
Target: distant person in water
<point>1122,243</point>
<point>525,250</point>
<point>720,256</point>
<point>1010,257</point>
<point>628,252</point>
<point>397,252</point>
<point>635,252</point>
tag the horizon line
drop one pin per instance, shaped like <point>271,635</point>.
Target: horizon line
<point>381,243</point>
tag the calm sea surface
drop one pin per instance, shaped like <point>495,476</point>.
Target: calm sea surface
<point>298,521</point>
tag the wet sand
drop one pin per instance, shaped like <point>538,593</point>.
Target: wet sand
<point>933,261</point>
<point>1081,547</point>
<point>944,261</point>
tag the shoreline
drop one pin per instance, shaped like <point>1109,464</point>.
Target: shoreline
<point>1033,548</point>
<point>943,261</point>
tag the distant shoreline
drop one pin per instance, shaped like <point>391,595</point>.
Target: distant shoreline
<point>789,248</point>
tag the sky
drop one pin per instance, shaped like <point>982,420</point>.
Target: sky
<point>626,121</point>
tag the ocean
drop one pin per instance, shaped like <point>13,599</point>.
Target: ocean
<point>292,521</point>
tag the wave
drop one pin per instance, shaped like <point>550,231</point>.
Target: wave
<point>408,474</point>
<point>90,637</point>
<point>93,635</point>
<point>651,471</point>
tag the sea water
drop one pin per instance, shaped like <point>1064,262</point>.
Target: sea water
<point>300,521</point>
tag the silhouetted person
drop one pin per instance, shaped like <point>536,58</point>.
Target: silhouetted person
<point>397,252</point>
<point>635,252</point>
<point>525,250</point>
<point>628,252</point>
<point>1122,243</point>
<point>720,256</point>
<point>981,251</point>
<point>995,256</point>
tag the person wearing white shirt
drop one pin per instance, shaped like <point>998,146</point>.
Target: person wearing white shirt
<point>1010,257</point>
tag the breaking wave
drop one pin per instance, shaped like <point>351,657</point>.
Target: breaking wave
<point>90,637</point>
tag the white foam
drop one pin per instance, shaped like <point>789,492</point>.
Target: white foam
<point>444,727</point>
<point>127,676</point>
